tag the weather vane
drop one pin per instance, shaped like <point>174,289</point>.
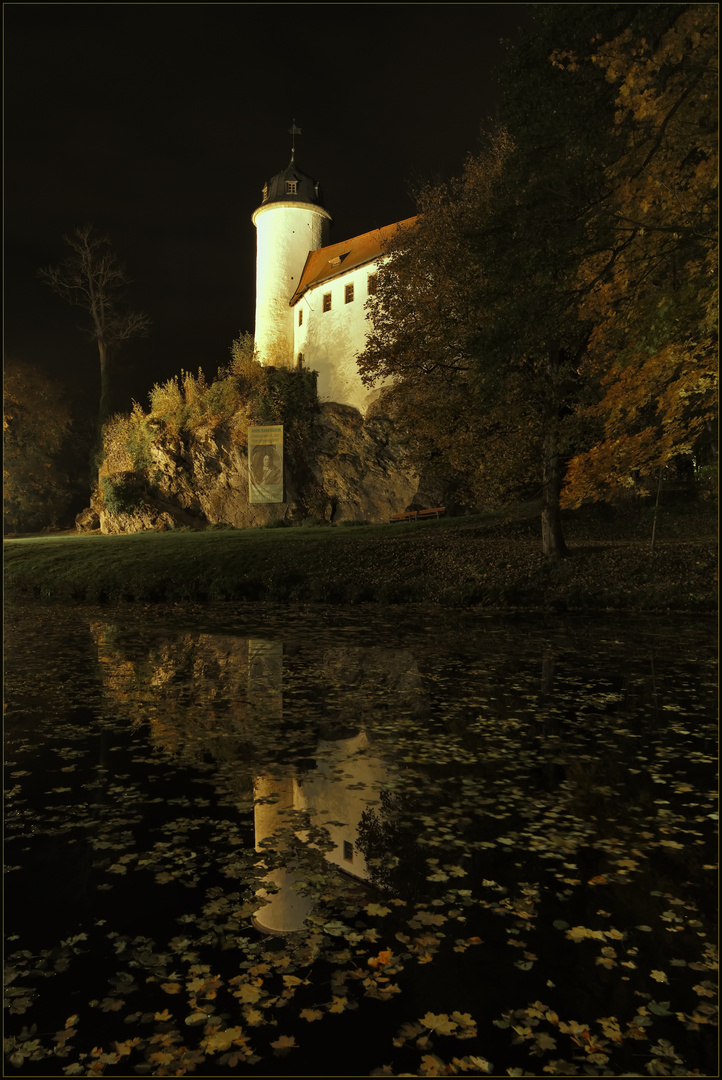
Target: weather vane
<point>293,131</point>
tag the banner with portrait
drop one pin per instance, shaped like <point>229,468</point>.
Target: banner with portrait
<point>265,679</point>
<point>265,464</point>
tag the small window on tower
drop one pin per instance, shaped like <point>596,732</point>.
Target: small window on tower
<point>327,301</point>
<point>347,851</point>
<point>372,283</point>
<point>291,187</point>
<point>349,293</point>
<point>300,316</point>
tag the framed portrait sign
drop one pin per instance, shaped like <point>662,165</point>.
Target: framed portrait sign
<point>265,464</point>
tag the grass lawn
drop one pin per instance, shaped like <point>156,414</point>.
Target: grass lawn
<point>493,561</point>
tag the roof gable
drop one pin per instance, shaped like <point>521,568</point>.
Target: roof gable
<point>329,262</point>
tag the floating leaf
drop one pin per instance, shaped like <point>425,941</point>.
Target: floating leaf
<point>441,1024</point>
<point>195,1018</point>
<point>311,1014</point>
<point>377,909</point>
<point>283,1044</point>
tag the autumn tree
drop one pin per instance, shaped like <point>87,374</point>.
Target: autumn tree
<point>92,278</point>
<point>479,322</point>
<point>36,424</point>
<point>426,322</point>
<point>649,281</point>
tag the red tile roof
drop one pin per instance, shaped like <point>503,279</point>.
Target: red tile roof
<point>329,262</point>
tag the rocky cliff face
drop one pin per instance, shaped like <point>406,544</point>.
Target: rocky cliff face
<point>352,469</point>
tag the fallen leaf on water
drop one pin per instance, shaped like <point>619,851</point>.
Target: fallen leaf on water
<point>283,1044</point>
<point>311,1014</point>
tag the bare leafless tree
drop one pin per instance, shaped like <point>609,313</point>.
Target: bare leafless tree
<point>93,278</point>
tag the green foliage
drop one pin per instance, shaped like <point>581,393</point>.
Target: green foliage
<point>186,403</point>
<point>121,494</point>
<point>648,281</point>
<point>707,482</point>
<point>243,354</point>
<point>560,295</point>
<point>288,396</point>
<point>36,425</point>
<point>242,393</point>
<point>139,440</point>
<point>167,404</point>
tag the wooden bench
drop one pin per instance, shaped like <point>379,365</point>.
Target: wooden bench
<point>419,515</point>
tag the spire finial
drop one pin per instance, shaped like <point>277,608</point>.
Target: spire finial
<point>293,131</point>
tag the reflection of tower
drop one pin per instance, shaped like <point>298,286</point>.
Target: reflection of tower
<point>335,794</point>
<point>290,222</point>
<point>286,909</point>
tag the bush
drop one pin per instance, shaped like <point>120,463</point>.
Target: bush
<point>139,439</point>
<point>242,393</point>
<point>166,404</point>
<point>121,494</point>
<point>37,428</point>
<point>707,482</point>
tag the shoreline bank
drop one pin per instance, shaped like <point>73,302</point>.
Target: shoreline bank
<point>492,562</point>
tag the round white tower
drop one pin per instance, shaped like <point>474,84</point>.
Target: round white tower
<point>290,222</point>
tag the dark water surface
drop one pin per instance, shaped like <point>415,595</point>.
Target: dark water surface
<point>316,841</point>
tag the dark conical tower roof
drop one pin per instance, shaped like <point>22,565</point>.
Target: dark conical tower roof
<point>292,185</point>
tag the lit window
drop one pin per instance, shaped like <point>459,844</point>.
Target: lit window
<point>291,187</point>
<point>349,293</point>
<point>372,283</point>
<point>300,316</point>
<point>347,851</point>
<point>327,301</point>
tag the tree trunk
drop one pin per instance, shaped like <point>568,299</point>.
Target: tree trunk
<point>105,395</point>
<point>553,544</point>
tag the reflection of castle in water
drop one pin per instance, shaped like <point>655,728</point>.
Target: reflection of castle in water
<point>223,695</point>
<point>334,795</point>
<point>345,783</point>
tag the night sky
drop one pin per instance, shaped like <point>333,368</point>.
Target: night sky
<point>158,124</point>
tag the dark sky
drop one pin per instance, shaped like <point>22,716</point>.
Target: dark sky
<point>158,124</point>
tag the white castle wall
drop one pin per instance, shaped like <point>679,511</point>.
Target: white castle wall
<point>286,232</point>
<point>331,340</point>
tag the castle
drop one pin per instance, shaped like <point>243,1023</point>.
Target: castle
<point>311,296</point>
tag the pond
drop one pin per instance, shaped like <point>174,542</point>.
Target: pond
<point>320,841</point>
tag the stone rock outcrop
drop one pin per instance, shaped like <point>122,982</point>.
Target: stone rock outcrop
<point>353,469</point>
<point>87,520</point>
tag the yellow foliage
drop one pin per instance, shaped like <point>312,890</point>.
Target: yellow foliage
<point>650,289</point>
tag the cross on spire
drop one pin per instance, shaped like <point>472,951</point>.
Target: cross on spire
<point>293,131</point>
